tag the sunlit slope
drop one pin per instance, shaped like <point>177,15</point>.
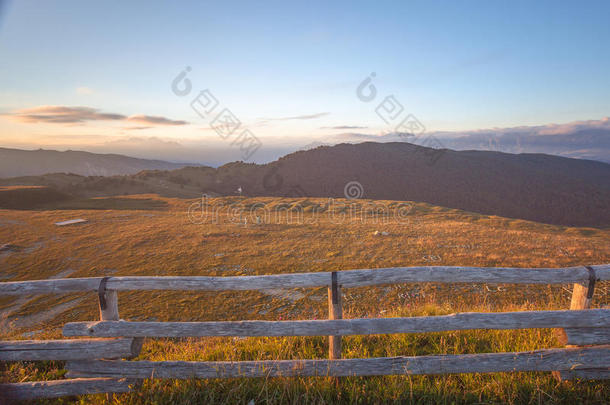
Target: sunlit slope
<point>150,235</point>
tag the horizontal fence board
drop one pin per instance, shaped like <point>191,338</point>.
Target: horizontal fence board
<point>450,274</point>
<point>587,336</point>
<point>585,374</point>
<point>234,283</point>
<point>347,278</point>
<point>539,360</point>
<point>55,286</point>
<point>363,326</point>
<point>59,388</point>
<point>32,350</point>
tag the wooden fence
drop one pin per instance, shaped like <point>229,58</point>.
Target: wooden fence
<point>99,362</point>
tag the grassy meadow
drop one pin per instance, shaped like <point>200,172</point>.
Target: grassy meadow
<point>151,235</point>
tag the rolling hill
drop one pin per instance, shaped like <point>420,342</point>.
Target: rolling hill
<point>17,162</point>
<point>535,187</point>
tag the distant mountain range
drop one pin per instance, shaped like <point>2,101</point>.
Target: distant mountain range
<point>591,144</point>
<point>17,162</point>
<point>537,187</point>
<point>577,139</point>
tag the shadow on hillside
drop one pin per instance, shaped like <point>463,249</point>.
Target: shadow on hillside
<point>111,203</point>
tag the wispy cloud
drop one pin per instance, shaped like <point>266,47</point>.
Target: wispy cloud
<point>84,90</point>
<point>136,128</point>
<point>154,120</point>
<point>55,114</point>
<point>301,117</point>
<point>344,127</point>
<point>562,129</point>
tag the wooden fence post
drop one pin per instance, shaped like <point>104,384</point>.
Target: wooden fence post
<point>582,294</point>
<point>108,302</point>
<point>335,311</point>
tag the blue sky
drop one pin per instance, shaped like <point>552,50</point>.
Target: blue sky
<point>454,65</point>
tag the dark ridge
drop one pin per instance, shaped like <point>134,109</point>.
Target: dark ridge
<point>536,187</point>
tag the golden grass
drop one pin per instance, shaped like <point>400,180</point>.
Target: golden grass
<point>134,240</point>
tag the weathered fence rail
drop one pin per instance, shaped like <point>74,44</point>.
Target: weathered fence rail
<point>591,319</point>
<point>538,360</point>
<point>62,388</point>
<point>31,350</point>
<point>347,279</point>
<point>95,366</point>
